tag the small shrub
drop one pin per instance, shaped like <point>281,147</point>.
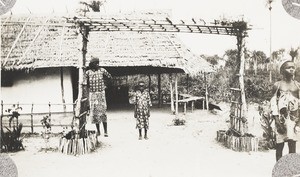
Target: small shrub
<point>178,122</point>
<point>46,122</point>
<point>11,135</point>
<point>266,121</point>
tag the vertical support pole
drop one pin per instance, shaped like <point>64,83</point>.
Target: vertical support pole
<point>206,91</point>
<point>159,89</point>
<point>18,106</point>
<point>271,60</point>
<point>176,94</point>
<point>73,109</point>
<point>237,117</point>
<point>1,126</point>
<point>193,105</point>
<point>62,89</point>
<point>82,91</point>
<point>149,85</point>
<point>240,107</point>
<point>187,83</point>
<point>203,101</point>
<point>31,118</point>
<point>241,57</point>
<point>49,104</point>
<point>0,95</point>
<point>171,93</point>
<point>184,108</point>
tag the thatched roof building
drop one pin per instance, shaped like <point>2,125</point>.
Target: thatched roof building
<point>30,42</point>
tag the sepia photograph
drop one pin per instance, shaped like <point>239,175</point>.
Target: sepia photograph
<point>150,88</point>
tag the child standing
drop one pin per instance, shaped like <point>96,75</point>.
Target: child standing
<point>142,109</point>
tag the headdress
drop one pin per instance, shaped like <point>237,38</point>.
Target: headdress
<point>281,63</point>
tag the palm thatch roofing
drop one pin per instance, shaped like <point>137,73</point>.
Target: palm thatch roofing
<point>30,42</point>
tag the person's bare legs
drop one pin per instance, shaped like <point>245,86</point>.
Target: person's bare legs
<point>140,134</point>
<point>292,146</point>
<point>98,129</point>
<point>146,137</point>
<point>279,149</point>
<point>105,129</point>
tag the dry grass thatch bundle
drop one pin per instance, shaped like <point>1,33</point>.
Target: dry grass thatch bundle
<point>30,42</point>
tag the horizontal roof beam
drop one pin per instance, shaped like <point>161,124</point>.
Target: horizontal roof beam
<point>153,25</point>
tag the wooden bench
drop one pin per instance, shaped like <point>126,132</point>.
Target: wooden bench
<point>192,99</point>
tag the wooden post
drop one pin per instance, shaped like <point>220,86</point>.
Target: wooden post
<point>1,126</point>
<point>176,94</point>
<point>193,105</point>
<point>81,106</point>
<point>62,89</point>
<point>184,108</point>
<point>203,101</point>
<point>187,83</point>
<point>149,84</point>
<point>1,94</point>
<point>159,89</point>
<point>18,105</point>
<point>240,45</point>
<point>31,118</point>
<point>206,91</point>
<point>49,104</point>
<point>171,94</point>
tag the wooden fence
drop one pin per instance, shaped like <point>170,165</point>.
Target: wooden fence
<point>32,114</point>
<point>242,144</point>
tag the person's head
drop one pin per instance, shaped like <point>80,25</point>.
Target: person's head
<point>141,85</point>
<point>287,68</point>
<point>94,63</point>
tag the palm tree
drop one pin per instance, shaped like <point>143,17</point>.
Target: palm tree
<point>269,5</point>
<point>277,55</point>
<point>294,53</point>
<point>258,57</point>
<point>94,5</point>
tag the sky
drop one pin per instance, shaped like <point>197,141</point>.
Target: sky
<point>284,32</point>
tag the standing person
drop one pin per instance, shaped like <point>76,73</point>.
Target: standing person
<point>285,109</point>
<point>95,82</point>
<point>142,109</point>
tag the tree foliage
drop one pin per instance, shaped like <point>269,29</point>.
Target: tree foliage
<point>294,53</point>
<point>214,60</point>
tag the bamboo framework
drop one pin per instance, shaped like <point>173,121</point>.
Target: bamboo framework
<point>98,24</point>
<point>155,25</point>
<point>86,25</point>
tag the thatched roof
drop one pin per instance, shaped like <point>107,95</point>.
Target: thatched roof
<point>39,42</point>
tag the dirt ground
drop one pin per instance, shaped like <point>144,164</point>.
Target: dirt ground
<point>171,151</point>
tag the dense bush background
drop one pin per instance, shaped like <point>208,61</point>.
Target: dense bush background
<point>257,77</point>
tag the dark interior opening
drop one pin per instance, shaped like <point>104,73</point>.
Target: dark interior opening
<point>74,80</point>
<point>7,78</point>
<point>117,95</point>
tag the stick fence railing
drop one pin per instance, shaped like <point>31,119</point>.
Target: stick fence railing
<point>50,112</point>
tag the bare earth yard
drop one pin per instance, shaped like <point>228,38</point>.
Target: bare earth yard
<point>171,151</point>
